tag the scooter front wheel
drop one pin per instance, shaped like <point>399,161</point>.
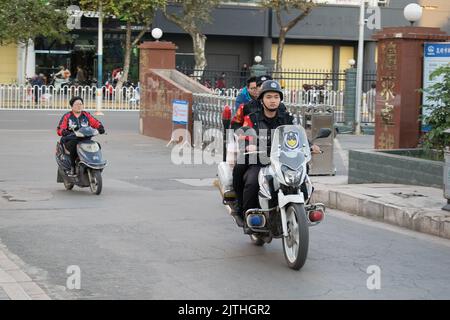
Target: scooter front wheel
<point>296,243</point>
<point>95,181</point>
<point>68,185</point>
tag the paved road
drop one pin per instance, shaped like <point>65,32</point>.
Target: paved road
<point>159,231</point>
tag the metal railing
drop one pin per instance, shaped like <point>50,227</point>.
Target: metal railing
<point>293,79</point>
<point>16,97</point>
<point>321,97</point>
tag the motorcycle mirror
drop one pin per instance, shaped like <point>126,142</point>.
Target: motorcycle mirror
<point>323,133</point>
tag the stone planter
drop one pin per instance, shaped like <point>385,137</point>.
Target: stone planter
<point>403,166</point>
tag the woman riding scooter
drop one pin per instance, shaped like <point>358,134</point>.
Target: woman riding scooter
<point>72,121</point>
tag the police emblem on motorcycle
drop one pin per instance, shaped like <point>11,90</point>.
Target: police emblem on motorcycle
<point>291,140</point>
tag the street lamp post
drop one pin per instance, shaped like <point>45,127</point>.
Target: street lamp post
<point>157,33</point>
<point>99,61</point>
<point>359,72</point>
<point>413,12</point>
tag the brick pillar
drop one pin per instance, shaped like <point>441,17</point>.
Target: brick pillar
<point>399,76</point>
<point>157,55</point>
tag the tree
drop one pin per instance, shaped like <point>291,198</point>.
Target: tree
<point>438,99</point>
<point>24,20</point>
<point>133,13</point>
<point>280,6</point>
<point>193,14</point>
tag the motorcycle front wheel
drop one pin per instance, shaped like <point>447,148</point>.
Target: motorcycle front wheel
<point>296,243</point>
<point>95,181</point>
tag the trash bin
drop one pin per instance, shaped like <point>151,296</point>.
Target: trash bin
<point>317,117</point>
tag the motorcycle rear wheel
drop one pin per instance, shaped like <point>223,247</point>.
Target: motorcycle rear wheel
<point>256,240</point>
<point>296,243</point>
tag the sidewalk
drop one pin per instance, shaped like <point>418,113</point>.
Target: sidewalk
<point>15,284</point>
<point>413,207</point>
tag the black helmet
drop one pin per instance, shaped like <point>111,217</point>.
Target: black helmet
<point>261,79</point>
<point>270,86</point>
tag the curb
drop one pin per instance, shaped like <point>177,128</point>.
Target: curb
<point>430,222</point>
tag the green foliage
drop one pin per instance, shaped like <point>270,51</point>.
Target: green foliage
<point>133,11</point>
<point>21,20</point>
<point>439,103</point>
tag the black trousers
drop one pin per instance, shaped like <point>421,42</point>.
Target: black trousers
<point>246,186</point>
<point>71,146</point>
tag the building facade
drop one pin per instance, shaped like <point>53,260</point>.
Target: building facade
<point>240,30</point>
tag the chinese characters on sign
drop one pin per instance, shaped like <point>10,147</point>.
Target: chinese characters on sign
<point>388,77</point>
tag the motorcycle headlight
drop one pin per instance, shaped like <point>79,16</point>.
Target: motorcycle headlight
<point>90,147</point>
<point>291,177</point>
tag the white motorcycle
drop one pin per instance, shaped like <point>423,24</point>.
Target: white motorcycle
<point>284,195</point>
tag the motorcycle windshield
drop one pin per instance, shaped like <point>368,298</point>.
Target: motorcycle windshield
<point>290,146</point>
<point>87,131</point>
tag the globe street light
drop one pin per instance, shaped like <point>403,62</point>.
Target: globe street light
<point>352,63</point>
<point>258,59</point>
<point>157,33</point>
<point>413,12</point>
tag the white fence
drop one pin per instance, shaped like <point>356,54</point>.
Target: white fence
<point>14,97</point>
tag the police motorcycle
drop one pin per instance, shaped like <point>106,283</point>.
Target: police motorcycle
<point>285,211</point>
<point>88,165</point>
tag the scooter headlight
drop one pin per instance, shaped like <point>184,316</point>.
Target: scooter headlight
<point>90,147</point>
<point>292,177</point>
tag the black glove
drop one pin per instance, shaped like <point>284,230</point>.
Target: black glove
<point>101,130</point>
<point>66,132</point>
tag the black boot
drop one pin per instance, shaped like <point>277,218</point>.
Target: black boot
<point>236,213</point>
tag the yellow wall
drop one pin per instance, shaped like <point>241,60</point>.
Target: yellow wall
<point>8,64</point>
<point>346,54</point>
<point>305,56</point>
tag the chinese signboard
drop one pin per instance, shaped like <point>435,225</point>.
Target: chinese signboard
<point>435,55</point>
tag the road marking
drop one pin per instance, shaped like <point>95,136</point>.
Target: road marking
<point>208,182</point>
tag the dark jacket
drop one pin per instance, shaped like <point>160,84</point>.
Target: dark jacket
<point>70,121</point>
<point>246,109</point>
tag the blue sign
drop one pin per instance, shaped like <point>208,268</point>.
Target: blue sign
<point>436,54</point>
<point>180,112</point>
<point>437,50</point>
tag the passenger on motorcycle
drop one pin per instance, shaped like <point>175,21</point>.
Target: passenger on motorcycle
<point>72,121</point>
<point>245,173</point>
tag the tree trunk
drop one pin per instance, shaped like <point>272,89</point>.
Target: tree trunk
<point>25,62</point>
<point>198,41</point>
<point>126,64</point>
<point>281,42</point>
